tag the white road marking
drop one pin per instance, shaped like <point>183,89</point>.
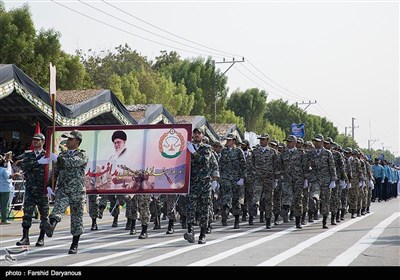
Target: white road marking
<point>307,243</point>
<point>354,251</point>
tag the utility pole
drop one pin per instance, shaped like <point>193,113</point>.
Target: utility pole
<point>233,61</point>
<point>370,144</point>
<point>353,127</point>
<point>345,130</point>
<point>304,103</point>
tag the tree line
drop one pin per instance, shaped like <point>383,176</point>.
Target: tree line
<point>191,86</point>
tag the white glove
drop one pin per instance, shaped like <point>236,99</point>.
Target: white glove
<point>349,185</point>
<point>360,184</point>
<point>190,147</point>
<point>342,183</point>
<point>305,184</point>
<point>371,184</point>
<point>53,157</point>
<point>43,160</point>
<point>214,185</point>
<point>240,182</point>
<point>332,185</point>
<point>383,181</point>
<point>50,192</point>
<point>275,184</point>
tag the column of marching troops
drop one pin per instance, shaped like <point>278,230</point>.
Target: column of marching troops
<point>293,180</point>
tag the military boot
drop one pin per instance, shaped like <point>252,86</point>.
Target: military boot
<point>202,237</point>
<point>262,216</point>
<point>209,227</point>
<point>276,218</point>
<point>143,234</point>
<point>94,224</point>
<point>251,220</point>
<point>100,212</point>
<point>363,211</point>
<point>133,229</point>
<point>128,224</point>
<point>303,218</point>
<point>342,212</point>
<point>157,222</point>
<point>284,213</point>
<point>291,215</point>
<point>49,227</point>
<point>236,226</point>
<point>324,218</point>
<point>189,236</point>
<point>298,224</point>
<point>310,217</point>
<point>224,216</point>
<point>353,213</point>
<point>316,215</point>
<point>40,241</point>
<point>184,222</point>
<point>170,229</point>
<point>338,216</point>
<point>359,212</point>
<point>115,222</point>
<point>268,223</point>
<point>367,210</point>
<point>333,219</point>
<point>74,246</point>
<point>25,238</point>
<point>244,215</point>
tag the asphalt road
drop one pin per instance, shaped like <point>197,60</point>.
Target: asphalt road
<point>370,240</point>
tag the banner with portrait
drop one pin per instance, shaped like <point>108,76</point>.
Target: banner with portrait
<point>133,159</point>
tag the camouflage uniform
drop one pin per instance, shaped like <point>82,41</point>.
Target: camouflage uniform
<point>204,166</point>
<point>70,173</point>
<point>336,192</point>
<point>34,189</point>
<point>292,165</point>
<point>363,189</point>
<point>249,184</point>
<point>322,173</point>
<point>155,210</point>
<point>93,206</point>
<point>266,171</point>
<point>369,190</point>
<point>345,190</point>
<point>353,191</point>
<point>232,168</point>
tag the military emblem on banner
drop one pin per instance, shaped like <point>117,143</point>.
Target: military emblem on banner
<point>171,144</point>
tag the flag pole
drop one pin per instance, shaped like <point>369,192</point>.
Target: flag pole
<point>53,107</point>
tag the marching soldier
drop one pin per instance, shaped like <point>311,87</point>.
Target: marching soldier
<point>34,190</point>
<point>248,182</point>
<point>323,175</point>
<point>232,167</point>
<point>292,165</point>
<point>204,169</point>
<point>354,180</point>
<point>340,171</point>
<point>69,173</point>
<point>266,176</point>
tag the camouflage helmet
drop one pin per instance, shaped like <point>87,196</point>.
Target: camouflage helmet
<point>318,138</point>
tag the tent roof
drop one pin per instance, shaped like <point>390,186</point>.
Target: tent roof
<point>150,114</point>
<point>199,121</point>
<point>20,95</point>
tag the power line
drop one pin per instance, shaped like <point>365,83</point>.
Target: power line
<point>145,30</point>
<point>130,33</point>
<point>166,31</point>
<point>265,81</point>
<point>262,73</point>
